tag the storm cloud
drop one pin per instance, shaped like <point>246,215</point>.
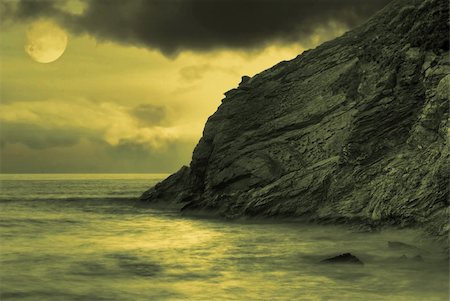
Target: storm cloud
<point>149,114</point>
<point>176,25</point>
<point>38,137</point>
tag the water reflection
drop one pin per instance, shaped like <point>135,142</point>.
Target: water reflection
<point>111,250</point>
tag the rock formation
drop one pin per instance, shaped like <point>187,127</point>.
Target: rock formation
<point>347,258</point>
<point>352,131</point>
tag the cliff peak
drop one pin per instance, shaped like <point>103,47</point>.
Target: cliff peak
<point>354,130</point>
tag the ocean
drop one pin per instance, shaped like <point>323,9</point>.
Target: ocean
<point>84,237</point>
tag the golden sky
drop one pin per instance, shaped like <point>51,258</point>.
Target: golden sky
<point>109,106</point>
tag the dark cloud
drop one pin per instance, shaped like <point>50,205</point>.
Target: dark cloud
<point>37,137</point>
<point>32,148</point>
<point>149,115</point>
<point>175,25</point>
<point>129,156</point>
<point>12,10</point>
<point>96,156</point>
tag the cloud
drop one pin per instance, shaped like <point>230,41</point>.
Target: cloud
<point>177,25</point>
<point>49,123</point>
<point>90,155</point>
<point>149,114</point>
<point>197,72</point>
<point>37,137</point>
<point>194,72</point>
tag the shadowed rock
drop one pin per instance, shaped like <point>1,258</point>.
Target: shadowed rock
<point>343,258</point>
<point>417,258</point>
<point>404,258</point>
<point>352,131</point>
<point>397,245</point>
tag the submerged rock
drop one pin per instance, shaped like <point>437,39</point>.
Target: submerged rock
<point>343,258</point>
<point>397,245</point>
<point>417,258</point>
<point>352,131</point>
<point>404,258</point>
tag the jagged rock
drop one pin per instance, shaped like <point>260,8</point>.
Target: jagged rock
<point>244,79</point>
<point>417,258</point>
<point>343,258</point>
<point>352,131</point>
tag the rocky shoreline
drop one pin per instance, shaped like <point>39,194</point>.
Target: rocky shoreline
<point>355,131</point>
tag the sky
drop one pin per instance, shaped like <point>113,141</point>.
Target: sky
<point>138,79</point>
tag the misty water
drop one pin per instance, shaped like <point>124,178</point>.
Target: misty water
<point>82,237</point>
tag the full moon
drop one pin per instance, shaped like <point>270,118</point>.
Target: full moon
<point>46,41</point>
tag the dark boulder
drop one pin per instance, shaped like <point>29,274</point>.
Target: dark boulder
<point>346,258</point>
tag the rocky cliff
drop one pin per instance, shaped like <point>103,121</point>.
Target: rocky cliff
<point>352,131</point>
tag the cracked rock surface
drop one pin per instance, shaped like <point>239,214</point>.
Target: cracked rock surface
<point>355,130</point>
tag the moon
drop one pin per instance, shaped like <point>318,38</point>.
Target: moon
<point>45,41</point>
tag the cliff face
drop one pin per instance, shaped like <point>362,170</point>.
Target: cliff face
<point>354,130</point>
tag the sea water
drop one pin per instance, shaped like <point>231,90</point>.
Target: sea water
<point>82,237</point>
